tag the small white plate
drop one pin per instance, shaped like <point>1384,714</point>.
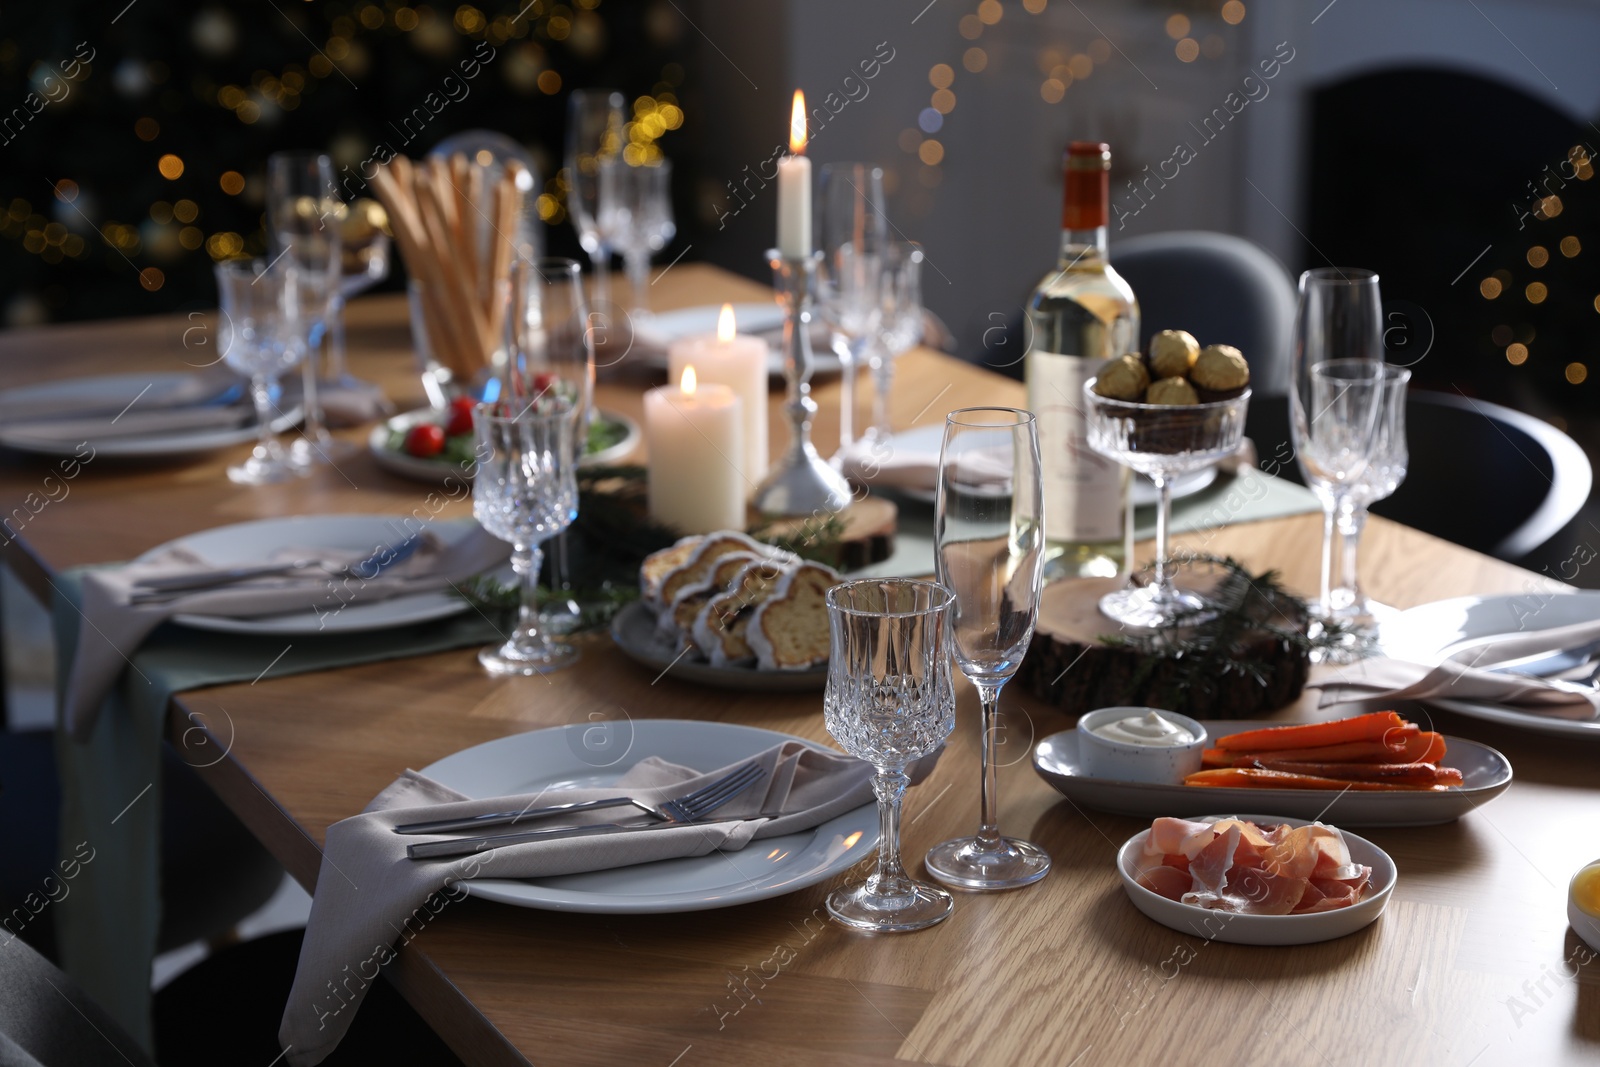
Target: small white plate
<point>252,542</point>
<point>1239,929</point>
<point>634,631</point>
<point>438,470</point>
<point>927,440</point>
<point>106,395</point>
<point>598,754</point>
<point>657,333</point>
<point>1485,775</point>
<point>1426,633</point>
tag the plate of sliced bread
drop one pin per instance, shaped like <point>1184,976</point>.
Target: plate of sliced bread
<point>724,609</point>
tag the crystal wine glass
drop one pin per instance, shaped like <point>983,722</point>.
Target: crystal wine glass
<point>989,538</point>
<point>552,354</point>
<point>889,701</point>
<point>1162,441</point>
<point>855,233</point>
<point>1337,373</point>
<point>595,120</point>
<point>303,210</point>
<point>262,340</point>
<point>1383,475</point>
<point>525,491</point>
<point>364,256</point>
<point>636,210</point>
<point>900,294</point>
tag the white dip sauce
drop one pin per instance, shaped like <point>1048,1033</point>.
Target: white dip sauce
<point>1148,729</point>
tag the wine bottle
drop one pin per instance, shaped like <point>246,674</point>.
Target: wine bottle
<point>1081,315</point>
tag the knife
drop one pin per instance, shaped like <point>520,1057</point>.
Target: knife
<point>1545,664</point>
<point>462,846</point>
<point>504,818</point>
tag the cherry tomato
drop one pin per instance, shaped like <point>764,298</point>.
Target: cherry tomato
<point>424,440</point>
<point>460,420</point>
<point>542,383</point>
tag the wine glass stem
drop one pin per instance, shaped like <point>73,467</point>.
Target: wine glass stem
<point>890,786</point>
<point>1328,529</point>
<point>638,264</point>
<point>526,561</point>
<point>602,288</point>
<point>1163,524</point>
<point>313,408</point>
<point>1352,520</point>
<point>883,378</point>
<point>847,396</point>
<point>989,837</point>
<point>261,396</point>
<point>335,369</point>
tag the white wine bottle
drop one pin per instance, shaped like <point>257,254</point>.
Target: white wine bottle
<point>1081,315</point>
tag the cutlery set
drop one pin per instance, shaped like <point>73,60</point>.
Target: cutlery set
<point>153,590</point>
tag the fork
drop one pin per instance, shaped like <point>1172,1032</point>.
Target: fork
<point>687,808</point>
<point>672,812</point>
<point>386,556</point>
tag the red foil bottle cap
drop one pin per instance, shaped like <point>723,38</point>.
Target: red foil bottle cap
<point>1087,203</point>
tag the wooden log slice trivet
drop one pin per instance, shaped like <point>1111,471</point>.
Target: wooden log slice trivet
<point>868,536</point>
<point>1071,667</point>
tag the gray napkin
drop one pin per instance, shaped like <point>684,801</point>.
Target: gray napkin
<point>111,627</point>
<point>1390,680</point>
<point>131,424</point>
<point>369,894</point>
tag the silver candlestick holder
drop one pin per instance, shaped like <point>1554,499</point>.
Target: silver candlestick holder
<point>801,482</point>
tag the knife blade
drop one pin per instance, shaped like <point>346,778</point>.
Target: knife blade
<point>462,846</point>
<point>1545,664</point>
<point>504,818</point>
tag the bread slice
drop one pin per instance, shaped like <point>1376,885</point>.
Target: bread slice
<point>788,631</point>
<point>657,565</point>
<point>676,620</point>
<point>719,628</point>
<point>700,562</point>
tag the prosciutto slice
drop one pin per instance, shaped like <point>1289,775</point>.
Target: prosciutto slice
<point>1238,866</point>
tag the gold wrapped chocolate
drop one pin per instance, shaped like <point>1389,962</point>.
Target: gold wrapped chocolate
<point>1172,353</point>
<point>1172,391</point>
<point>1220,373</point>
<point>1124,378</point>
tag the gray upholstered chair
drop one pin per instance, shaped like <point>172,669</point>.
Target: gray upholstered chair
<point>47,1021</point>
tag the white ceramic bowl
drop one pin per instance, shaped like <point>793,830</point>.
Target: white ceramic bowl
<point>1240,929</point>
<point>1125,762</point>
<point>1583,924</point>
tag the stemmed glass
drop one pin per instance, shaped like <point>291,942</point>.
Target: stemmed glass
<point>363,262</point>
<point>525,491</point>
<point>900,294</point>
<point>1338,373</point>
<point>594,136</point>
<point>855,233</point>
<point>636,213</point>
<point>303,210</point>
<point>889,701</point>
<point>552,355</point>
<point>989,539</point>
<point>1383,475</point>
<point>1161,441</point>
<point>262,340</point>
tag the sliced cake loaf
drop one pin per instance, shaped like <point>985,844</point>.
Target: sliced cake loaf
<point>719,628</point>
<point>700,562</point>
<point>788,630</point>
<point>657,565</point>
<point>677,619</point>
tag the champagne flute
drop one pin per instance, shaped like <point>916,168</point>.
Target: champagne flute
<point>1383,475</point>
<point>551,354</point>
<point>989,538</point>
<point>1337,373</point>
<point>900,293</point>
<point>303,213</point>
<point>259,317</point>
<point>889,701</point>
<point>525,491</point>
<point>855,233</point>
<point>595,120</point>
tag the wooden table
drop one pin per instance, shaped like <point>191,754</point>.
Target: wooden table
<point>1466,967</point>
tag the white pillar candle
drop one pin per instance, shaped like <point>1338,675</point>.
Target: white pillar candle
<point>740,363</point>
<point>794,188</point>
<point>696,435</point>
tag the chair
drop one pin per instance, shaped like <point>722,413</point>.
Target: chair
<point>1221,288</point>
<point>47,1021</point>
<point>1481,475</point>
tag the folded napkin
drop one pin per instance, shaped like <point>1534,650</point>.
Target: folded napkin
<point>369,894</point>
<point>113,395</point>
<point>132,424</point>
<point>352,403</point>
<point>1463,676</point>
<point>111,627</point>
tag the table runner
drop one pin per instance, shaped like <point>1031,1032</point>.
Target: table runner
<point>111,788</point>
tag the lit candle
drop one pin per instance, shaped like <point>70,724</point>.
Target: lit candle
<point>794,188</point>
<point>696,436</point>
<point>740,363</point>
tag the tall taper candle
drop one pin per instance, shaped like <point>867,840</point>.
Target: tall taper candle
<point>794,187</point>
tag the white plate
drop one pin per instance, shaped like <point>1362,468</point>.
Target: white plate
<point>101,395</point>
<point>1238,929</point>
<point>598,754</point>
<point>663,328</point>
<point>634,631</point>
<point>252,542</point>
<point>434,470</point>
<point>1485,775</point>
<point>1424,634</point>
<point>927,439</point>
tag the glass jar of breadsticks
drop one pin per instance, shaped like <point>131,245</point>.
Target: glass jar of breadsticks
<point>455,222</point>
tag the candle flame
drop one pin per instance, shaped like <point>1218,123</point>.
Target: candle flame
<point>687,384</point>
<point>797,124</point>
<point>726,327</point>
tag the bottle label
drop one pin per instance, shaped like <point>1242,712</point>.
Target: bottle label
<point>1083,490</point>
